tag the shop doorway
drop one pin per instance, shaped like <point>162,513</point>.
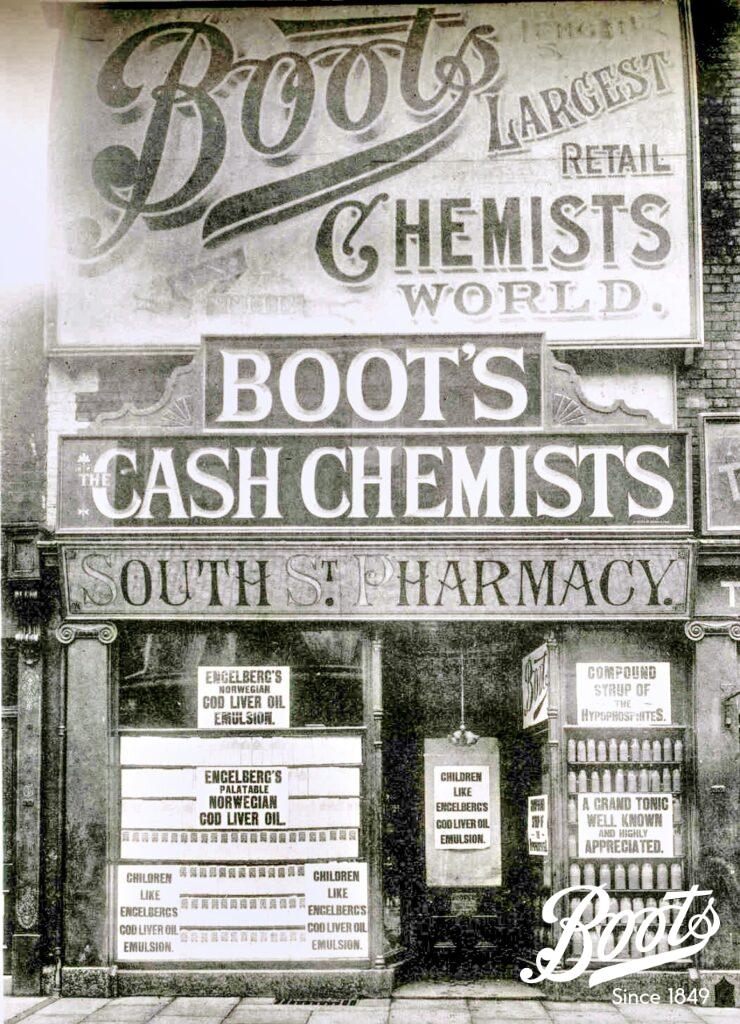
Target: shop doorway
<point>479,919</point>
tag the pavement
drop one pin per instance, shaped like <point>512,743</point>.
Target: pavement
<point>406,1008</point>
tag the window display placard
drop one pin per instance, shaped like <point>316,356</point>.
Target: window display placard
<point>214,912</point>
<point>461,808</point>
<point>241,797</point>
<point>244,697</point>
<point>336,909</point>
<point>535,686</point>
<point>625,825</point>
<point>538,827</point>
<point>611,694</point>
<point>462,813</point>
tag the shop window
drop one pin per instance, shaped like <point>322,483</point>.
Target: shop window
<point>158,670</point>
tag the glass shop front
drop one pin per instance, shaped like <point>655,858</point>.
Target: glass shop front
<point>397,798</point>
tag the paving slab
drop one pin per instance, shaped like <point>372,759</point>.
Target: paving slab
<point>442,1015</point>
<point>429,1011</point>
<point>115,1011</point>
<point>507,1009</point>
<point>201,1006</point>
<point>21,1006</point>
<point>594,1016</point>
<point>69,1005</point>
<point>580,1006</point>
<point>180,1019</point>
<point>482,988</point>
<point>62,1018</point>
<point>251,1013</point>
<point>659,1013</point>
<point>349,1015</point>
<point>142,1000</point>
<point>718,1013</point>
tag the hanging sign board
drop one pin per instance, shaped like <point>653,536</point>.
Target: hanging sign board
<point>483,166</point>
<point>720,450</point>
<point>625,825</point>
<point>275,912</point>
<point>462,813</point>
<point>244,697</point>
<point>538,826</point>
<point>461,808</point>
<point>614,693</point>
<point>535,686</point>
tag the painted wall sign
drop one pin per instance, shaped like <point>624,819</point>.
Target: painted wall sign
<point>720,450</point>
<point>718,590</point>
<point>211,912</point>
<point>538,826</point>
<point>625,825</point>
<point>462,813</point>
<point>535,686</point>
<point>353,483</point>
<point>244,697</point>
<point>364,581</point>
<point>473,167</point>
<point>461,808</point>
<point>614,693</point>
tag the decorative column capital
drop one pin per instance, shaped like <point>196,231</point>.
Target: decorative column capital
<point>697,629</point>
<point>105,632</point>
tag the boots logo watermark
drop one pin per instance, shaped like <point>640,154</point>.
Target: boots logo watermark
<point>679,928</point>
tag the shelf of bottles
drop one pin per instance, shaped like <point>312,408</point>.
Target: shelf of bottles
<point>626,760</point>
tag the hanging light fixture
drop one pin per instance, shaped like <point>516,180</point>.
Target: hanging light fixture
<point>462,736</point>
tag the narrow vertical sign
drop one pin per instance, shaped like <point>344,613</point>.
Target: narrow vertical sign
<point>535,686</point>
<point>538,828</point>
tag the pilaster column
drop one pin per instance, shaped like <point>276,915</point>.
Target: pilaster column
<point>557,801</point>
<point>717,744</point>
<point>26,952</point>
<point>373,704</point>
<point>87,786</point>
<point>23,573</point>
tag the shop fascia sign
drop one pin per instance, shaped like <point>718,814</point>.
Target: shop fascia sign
<point>365,580</point>
<point>358,436</point>
<point>472,167</point>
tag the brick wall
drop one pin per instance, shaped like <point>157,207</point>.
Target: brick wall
<point>23,420</point>
<point>712,380</point>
